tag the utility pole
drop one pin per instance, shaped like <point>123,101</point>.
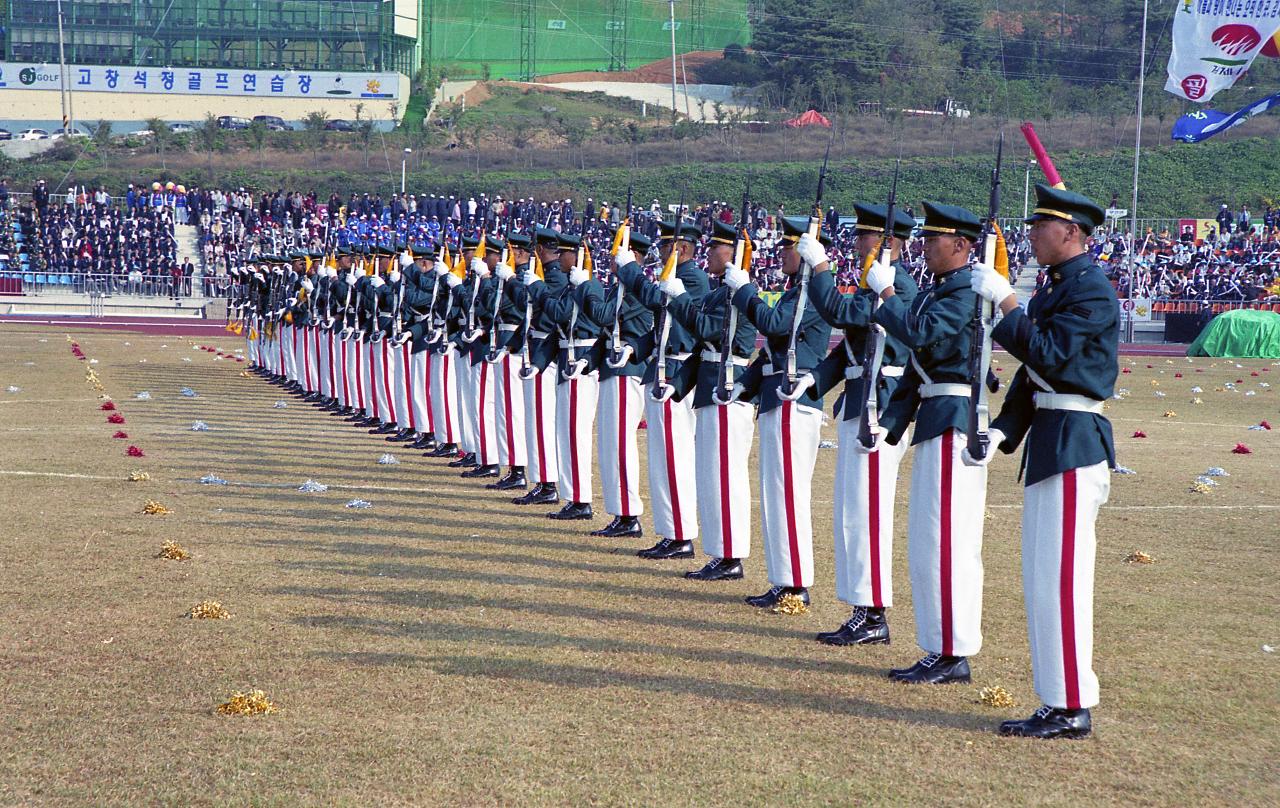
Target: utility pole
<point>672,23</point>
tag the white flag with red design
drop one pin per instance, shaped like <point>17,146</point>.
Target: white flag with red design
<point>1215,42</point>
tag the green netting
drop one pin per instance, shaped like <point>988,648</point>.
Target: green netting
<point>1240,334</point>
<point>574,34</point>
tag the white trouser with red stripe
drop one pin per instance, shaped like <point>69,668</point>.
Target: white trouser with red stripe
<point>1058,548</point>
<point>789,436</point>
<point>382,369</point>
<point>288,358</point>
<point>575,423</point>
<point>395,383</point>
<point>305,351</point>
<point>405,416</point>
<point>722,447</point>
<point>420,389</point>
<point>486,427</point>
<point>250,345</point>
<point>540,426</point>
<point>371,361</point>
<point>351,384</point>
<point>508,394</point>
<point>866,486</point>
<point>673,481</point>
<point>444,394</point>
<point>324,345</point>
<point>619,416</point>
<point>944,546</point>
<point>466,425</point>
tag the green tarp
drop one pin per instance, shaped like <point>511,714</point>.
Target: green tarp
<point>1240,334</point>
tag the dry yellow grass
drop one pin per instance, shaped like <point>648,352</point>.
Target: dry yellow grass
<point>445,646</point>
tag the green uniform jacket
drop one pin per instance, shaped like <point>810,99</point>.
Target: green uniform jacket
<point>704,319</point>
<point>768,372</point>
<point>1069,335</point>
<point>543,350</point>
<point>635,327</point>
<point>647,293</point>
<point>936,329</point>
<point>853,314</point>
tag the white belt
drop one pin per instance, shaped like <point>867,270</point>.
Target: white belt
<point>679,357</point>
<point>768,370</point>
<point>538,334</point>
<point>577,343</point>
<point>888,371</point>
<point>714,356</point>
<point>1067,401</point>
<point>508,327</point>
<point>939,390</point>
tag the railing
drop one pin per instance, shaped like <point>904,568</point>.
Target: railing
<point>1162,306</point>
<point>36,283</point>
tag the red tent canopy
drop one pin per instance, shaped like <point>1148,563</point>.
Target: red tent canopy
<point>810,118</point>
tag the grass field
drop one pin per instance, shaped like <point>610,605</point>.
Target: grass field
<point>445,647</point>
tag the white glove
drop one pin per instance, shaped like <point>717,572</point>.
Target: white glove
<point>377,282</point>
<point>996,436</point>
<point>404,337</point>
<point>625,256</point>
<point>811,250</point>
<point>878,433</point>
<point>672,288</point>
<point>405,259</point>
<point>394,276</point>
<point>880,276</point>
<point>734,395</point>
<point>441,268</point>
<point>344,334</point>
<point>803,383</point>
<point>989,284</point>
<point>479,267</point>
<point>578,277</point>
<point>351,276</point>
<point>735,278</point>
<point>308,285</point>
<point>663,393</point>
<point>505,272</point>
<point>530,277</point>
<point>452,280</point>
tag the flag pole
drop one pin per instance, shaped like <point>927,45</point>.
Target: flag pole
<point>1137,142</point>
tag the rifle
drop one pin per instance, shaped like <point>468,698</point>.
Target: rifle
<point>508,257</point>
<point>471,334</point>
<point>742,260</point>
<point>984,312</point>
<point>815,228</point>
<point>619,352</point>
<point>873,349</point>
<point>442,332</point>
<point>664,316</point>
<point>581,261</point>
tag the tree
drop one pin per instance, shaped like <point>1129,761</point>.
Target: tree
<point>258,137</point>
<point>102,134</point>
<point>209,135</point>
<point>575,135</point>
<point>521,133</point>
<point>364,130</point>
<point>314,125</point>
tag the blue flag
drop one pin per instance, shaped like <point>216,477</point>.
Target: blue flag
<point>1205,123</point>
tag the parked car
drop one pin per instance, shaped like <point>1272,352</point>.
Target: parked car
<point>33,134</point>
<point>340,125</point>
<point>232,122</point>
<point>5,134</point>
<point>274,123</point>
<point>72,132</point>
<point>181,128</point>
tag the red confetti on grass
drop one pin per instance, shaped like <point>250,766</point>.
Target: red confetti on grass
<point>110,405</point>
<point>134,451</point>
<point>1199,370</point>
<point>1125,370</point>
<point>1177,375</point>
<point>1149,367</point>
<point>1265,425</point>
<point>1241,449</point>
<point>115,418</point>
<point>1139,434</point>
<point>120,435</point>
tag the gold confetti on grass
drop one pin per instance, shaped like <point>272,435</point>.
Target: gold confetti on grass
<point>996,696</point>
<point>791,604</point>
<point>173,551</point>
<point>209,610</point>
<point>153,508</point>
<point>1197,401</point>
<point>1201,488</point>
<point>1155,383</point>
<point>245,374</point>
<point>1170,414</point>
<point>255,702</point>
<point>1139,557</point>
<point>138,476</point>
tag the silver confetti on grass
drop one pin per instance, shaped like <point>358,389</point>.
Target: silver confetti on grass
<point>387,459</point>
<point>279,405</point>
<point>313,487</point>
<point>199,426</point>
<point>826,444</point>
<point>1217,471</point>
<point>212,479</point>
<point>143,396</point>
<point>189,393</point>
<point>13,388</point>
<point>1206,480</point>
<point>359,504</point>
<point>1123,470</point>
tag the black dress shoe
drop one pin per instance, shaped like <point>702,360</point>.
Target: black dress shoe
<point>934,669</point>
<point>481,471</point>
<point>774,596</point>
<point>624,527</point>
<point>384,429</point>
<point>400,437</point>
<point>366,422</point>
<point>514,479</point>
<point>1050,722</point>
<point>311,397</point>
<point>542,494</point>
<point>444,450</point>
<point>668,548</point>
<point>572,510</point>
<point>426,441</point>
<point>605,531</point>
<point>717,569</point>
<point>467,461</point>
<point>867,626</point>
